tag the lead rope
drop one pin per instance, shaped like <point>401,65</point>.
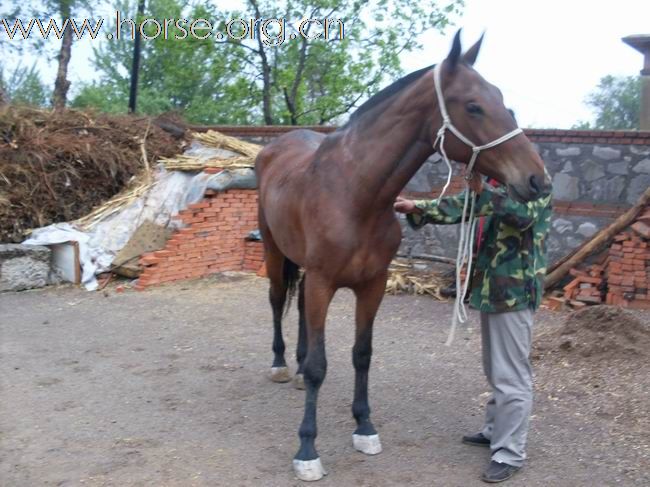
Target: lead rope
<point>468,224</point>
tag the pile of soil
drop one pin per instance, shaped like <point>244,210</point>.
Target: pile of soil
<point>598,332</point>
<point>595,367</point>
<point>57,166</point>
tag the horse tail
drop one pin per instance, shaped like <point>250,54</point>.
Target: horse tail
<point>290,278</point>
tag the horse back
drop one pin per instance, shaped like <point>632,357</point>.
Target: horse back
<point>288,154</point>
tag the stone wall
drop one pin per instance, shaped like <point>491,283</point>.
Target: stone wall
<point>596,175</point>
<point>24,267</point>
<point>592,184</point>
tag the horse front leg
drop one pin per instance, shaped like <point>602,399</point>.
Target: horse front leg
<point>369,296</point>
<point>318,295</point>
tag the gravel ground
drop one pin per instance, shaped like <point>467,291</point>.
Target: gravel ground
<point>168,387</point>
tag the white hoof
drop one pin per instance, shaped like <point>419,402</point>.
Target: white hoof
<point>280,374</point>
<point>309,470</point>
<point>299,382</point>
<point>368,444</point>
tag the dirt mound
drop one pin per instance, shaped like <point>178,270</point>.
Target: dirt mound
<point>56,166</point>
<point>597,332</point>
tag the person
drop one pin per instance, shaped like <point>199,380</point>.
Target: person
<point>507,288</point>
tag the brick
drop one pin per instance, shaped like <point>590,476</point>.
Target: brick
<point>150,260</point>
<point>589,299</point>
<point>590,280</point>
<point>638,304</point>
<point>577,272</point>
<point>199,205</point>
<point>162,253</point>
<point>642,229</point>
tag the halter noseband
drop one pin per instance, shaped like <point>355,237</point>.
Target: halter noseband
<point>446,124</point>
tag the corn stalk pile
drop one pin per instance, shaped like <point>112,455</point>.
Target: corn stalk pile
<point>404,278</point>
<point>246,151</point>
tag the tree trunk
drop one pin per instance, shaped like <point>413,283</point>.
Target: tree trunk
<point>266,89</point>
<point>290,98</point>
<point>61,85</point>
<point>3,97</point>
<point>601,239</point>
<point>266,70</point>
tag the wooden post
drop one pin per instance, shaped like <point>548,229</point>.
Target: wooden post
<point>135,67</point>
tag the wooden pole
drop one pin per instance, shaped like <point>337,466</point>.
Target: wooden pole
<point>135,67</point>
<point>599,240</point>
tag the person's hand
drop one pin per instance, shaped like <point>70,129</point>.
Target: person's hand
<point>476,183</point>
<point>402,205</point>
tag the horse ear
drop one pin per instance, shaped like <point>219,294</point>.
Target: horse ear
<point>472,53</point>
<point>456,49</point>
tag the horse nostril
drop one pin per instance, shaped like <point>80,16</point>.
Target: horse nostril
<point>535,184</point>
<point>539,185</point>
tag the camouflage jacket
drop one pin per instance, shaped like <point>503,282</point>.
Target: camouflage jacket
<point>511,263</point>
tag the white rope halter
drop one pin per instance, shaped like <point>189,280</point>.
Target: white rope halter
<point>467,225</point>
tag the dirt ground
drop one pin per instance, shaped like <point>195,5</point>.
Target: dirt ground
<point>167,388</point>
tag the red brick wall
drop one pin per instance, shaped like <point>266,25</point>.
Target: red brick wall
<point>212,241</point>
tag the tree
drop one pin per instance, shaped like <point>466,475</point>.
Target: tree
<point>261,74</point>
<point>309,80</point>
<point>616,102</point>
<point>23,86</point>
<point>55,17</point>
<point>190,75</point>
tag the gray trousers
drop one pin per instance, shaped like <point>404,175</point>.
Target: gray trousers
<point>506,340</point>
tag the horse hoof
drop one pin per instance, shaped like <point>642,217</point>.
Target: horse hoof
<point>299,382</point>
<point>309,470</point>
<point>368,444</point>
<point>280,374</point>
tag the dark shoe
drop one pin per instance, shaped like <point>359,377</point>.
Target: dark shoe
<point>476,440</point>
<point>498,472</point>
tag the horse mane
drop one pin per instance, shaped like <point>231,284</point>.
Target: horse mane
<point>387,93</point>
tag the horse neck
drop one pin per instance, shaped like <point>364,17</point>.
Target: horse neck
<point>389,144</point>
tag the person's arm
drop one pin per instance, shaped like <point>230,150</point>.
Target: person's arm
<point>494,201</point>
<point>448,210</point>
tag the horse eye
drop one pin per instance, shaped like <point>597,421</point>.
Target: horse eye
<point>474,109</point>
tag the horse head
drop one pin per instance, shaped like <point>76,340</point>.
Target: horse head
<point>476,113</point>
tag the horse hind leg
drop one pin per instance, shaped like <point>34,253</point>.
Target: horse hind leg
<point>275,265</point>
<point>369,296</point>
<point>301,348</point>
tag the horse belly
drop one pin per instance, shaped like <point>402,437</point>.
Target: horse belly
<point>363,258</point>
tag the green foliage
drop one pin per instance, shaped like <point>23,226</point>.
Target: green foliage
<point>299,81</point>
<point>616,102</point>
<point>23,86</point>
<point>188,75</point>
<point>316,81</point>
<point>45,48</point>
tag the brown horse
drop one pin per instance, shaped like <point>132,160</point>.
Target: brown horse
<point>326,205</point>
